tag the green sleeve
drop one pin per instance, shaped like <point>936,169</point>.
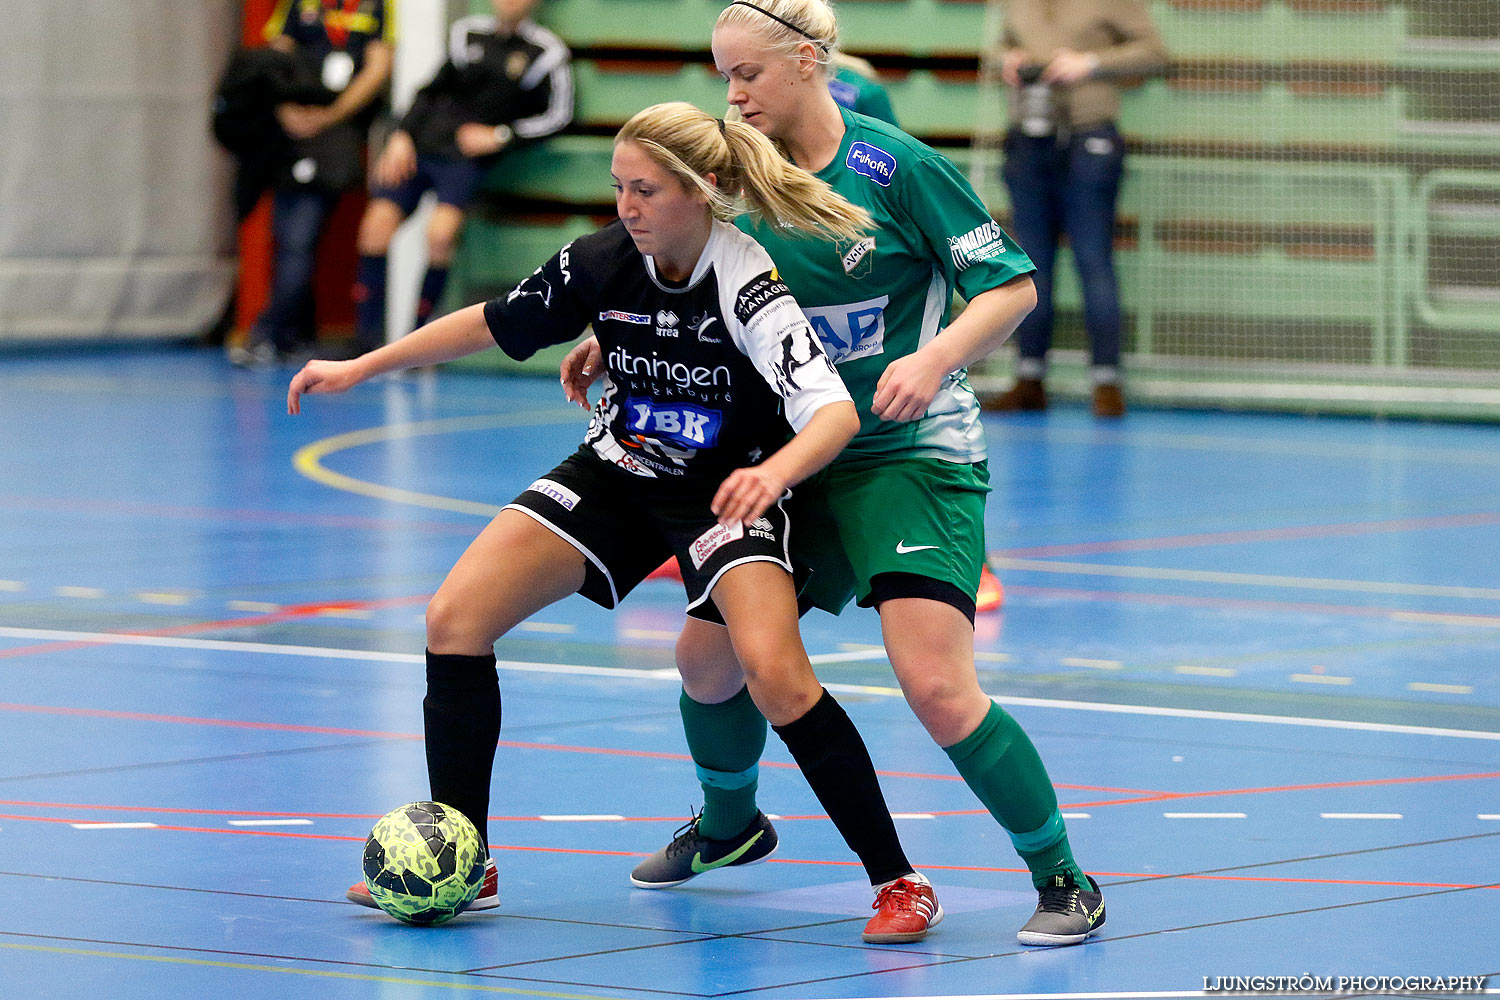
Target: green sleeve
<point>971,248</point>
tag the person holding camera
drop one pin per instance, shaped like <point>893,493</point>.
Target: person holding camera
<point>1065,62</point>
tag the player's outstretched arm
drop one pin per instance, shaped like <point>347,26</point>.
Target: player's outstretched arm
<point>453,336</point>
<point>746,493</point>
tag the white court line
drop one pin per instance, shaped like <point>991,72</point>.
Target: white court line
<point>1440,688</point>
<point>581,818</point>
<point>84,593</point>
<point>1204,815</point>
<point>113,826</point>
<point>849,656</point>
<point>1360,815</point>
<point>1489,816</point>
<point>270,822</point>
<point>1195,671</point>
<point>14,586</point>
<point>1076,815</point>
<point>912,816</point>
<point>669,673</point>
<point>1331,679</point>
<point>1083,661</point>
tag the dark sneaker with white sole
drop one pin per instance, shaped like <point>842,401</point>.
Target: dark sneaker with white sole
<point>1066,913</point>
<point>691,854</point>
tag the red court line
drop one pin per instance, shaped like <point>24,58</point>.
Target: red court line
<point>1152,876</point>
<point>1337,530</point>
<point>291,613</point>
<point>104,713</point>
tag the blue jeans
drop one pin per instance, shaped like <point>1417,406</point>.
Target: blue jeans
<point>1068,187</point>
<point>297,220</point>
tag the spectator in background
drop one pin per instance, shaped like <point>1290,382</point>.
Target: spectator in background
<point>1064,61</point>
<point>855,84</point>
<point>506,80</point>
<point>348,47</point>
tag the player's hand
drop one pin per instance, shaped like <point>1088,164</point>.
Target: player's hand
<point>475,139</point>
<point>1010,66</point>
<point>581,369</point>
<point>398,161</point>
<point>303,121</point>
<point>321,376</point>
<point>1070,66</point>
<point>745,494</point>
<point>906,388</point>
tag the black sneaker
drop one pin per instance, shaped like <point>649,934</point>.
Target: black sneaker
<point>690,853</point>
<point>1066,913</point>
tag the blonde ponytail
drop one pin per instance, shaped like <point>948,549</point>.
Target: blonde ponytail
<point>690,144</point>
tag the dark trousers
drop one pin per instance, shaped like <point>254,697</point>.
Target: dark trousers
<point>1069,186</point>
<point>297,220</point>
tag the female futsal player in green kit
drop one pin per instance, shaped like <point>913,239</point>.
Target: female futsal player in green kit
<point>907,494</point>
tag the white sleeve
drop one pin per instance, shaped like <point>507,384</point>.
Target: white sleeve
<point>769,328</point>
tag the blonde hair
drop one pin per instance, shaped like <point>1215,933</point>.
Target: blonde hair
<point>689,143</point>
<point>787,24</point>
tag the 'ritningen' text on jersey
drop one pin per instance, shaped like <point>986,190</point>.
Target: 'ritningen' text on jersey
<point>699,380</point>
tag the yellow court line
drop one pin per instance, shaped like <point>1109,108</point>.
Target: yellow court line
<point>309,459</point>
<point>325,974</point>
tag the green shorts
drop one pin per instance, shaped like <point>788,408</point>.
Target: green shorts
<point>862,517</point>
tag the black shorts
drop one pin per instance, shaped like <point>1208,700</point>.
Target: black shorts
<point>627,526</point>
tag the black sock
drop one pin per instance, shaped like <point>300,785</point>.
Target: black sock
<point>835,762</point>
<point>461,715</point>
<point>433,283</point>
<point>369,302</point>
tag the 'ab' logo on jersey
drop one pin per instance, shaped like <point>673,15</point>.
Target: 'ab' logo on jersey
<point>851,330</point>
<point>872,162</point>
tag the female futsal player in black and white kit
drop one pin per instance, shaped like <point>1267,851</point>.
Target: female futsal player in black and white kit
<point>708,359</point>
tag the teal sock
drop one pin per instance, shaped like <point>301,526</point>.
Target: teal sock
<point>1002,768</point>
<point>726,741</point>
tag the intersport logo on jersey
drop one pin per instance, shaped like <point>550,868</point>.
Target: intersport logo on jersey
<point>980,243</point>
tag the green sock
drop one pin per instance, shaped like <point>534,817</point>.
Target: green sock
<point>726,741</point>
<point>1001,766</point>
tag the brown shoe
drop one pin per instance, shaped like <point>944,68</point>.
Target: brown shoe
<point>1109,401</point>
<point>1026,394</point>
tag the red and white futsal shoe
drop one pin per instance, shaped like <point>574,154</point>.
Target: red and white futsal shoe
<point>488,898</point>
<point>906,910</point>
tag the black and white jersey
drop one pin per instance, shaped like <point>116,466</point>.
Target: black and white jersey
<point>524,80</point>
<point>699,380</point>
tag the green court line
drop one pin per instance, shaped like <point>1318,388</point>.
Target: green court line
<point>325,974</point>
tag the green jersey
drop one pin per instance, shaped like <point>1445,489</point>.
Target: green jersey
<point>881,298</point>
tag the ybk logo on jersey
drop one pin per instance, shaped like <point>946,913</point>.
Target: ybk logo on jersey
<point>852,330</point>
<point>677,423</point>
<point>872,162</point>
<point>640,319</point>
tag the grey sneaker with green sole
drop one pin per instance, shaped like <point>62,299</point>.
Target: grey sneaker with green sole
<point>1066,913</point>
<point>690,854</point>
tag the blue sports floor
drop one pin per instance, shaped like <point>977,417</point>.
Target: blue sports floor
<point>1260,654</point>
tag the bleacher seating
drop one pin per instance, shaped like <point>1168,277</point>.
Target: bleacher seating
<point>1262,92</point>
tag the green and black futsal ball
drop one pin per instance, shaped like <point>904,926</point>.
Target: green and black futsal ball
<point>424,863</point>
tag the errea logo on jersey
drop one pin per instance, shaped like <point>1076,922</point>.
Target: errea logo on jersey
<point>980,243</point>
<point>872,162</point>
<point>666,323</point>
